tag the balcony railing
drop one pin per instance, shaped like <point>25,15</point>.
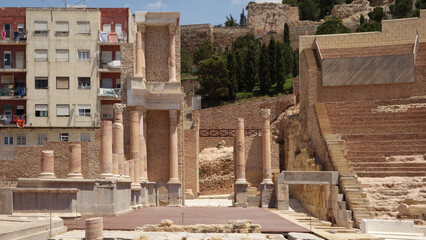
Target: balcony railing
<point>12,66</point>
<point>13,92</point>
<point>17,37</point>
<point>13,120</point>
<point>114,93</point>
<point>114,37</point>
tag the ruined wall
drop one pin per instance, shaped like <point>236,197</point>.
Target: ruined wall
<point>225,36</point>
<point>265,17</point>
<point>195,35</point>
<point>191,160</point>
<point>208,142</point>
<point>27,161</point>
<point>225,117</point>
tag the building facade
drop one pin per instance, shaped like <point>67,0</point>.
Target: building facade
<point>60,72</point>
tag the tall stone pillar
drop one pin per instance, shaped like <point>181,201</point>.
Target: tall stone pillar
<point>175,186</point>
<point>106,149</point>
<point>139,54</point>
<point>134,144</point>
<point>267,188</point>
<point>118,143</point>
<point>47,164</point>
<point>142,147</point>
<point>74,161</point>
<point>172,53</point>
<point>241,185</point>
<point>142,31</point>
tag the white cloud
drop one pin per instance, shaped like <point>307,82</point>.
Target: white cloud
<point>155,5</point>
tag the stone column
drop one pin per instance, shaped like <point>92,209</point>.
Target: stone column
<point>266,146</point>
<point>118,143</point>
<point>172,53</point>
<point>241,185</point>
<point>126,171</point>
<point>94,229</point>
<point>139,54</point>
<point>142,147</point>
<point>173,150</point>
<point>106,149</point>
<point>47,164</point>
<point>174,185</point>
<point>74,161</point>
<point>134,144</point>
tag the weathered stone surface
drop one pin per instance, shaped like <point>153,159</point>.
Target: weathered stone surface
<point>6,201</point>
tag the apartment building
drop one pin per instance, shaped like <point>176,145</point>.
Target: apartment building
<point>60,73</point>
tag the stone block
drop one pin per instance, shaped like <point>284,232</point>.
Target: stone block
<point>282,196</point>
<point>136,198</point>
<point>175,194</point>
<point>253,201</point>
<point>240,190</point>
<point>6,201</point>
<point>144,194</point>
<point>152,194</point>
<point>302,236</point>
<point>309,177</point>
<point>267,192</point>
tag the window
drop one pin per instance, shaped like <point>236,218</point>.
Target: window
<point>20,110</point>
<point>107,111</point>
<point>83,27</point>
<point>62,29</point>
<point>41,138</point>
<point>83,55</point>
<point>64,137</point>
<point>62,55</point>
<point>83,110</point>
<point>106,83</point>
<point>21,27</point>
<point>40,27</point>
<point>118,28</point>
<point>83,83</point>
<point>41,110</point>
<point>85,137</point>
<point>8,140</point>
<point>106,56</point>
<point>117,55</point>
<point>7,30</point>
<point>21,139</point>
<point>117,83</point>
<point>62,82</point>
<point>41,55</point>
<point>62,110</point>
<point>41,82</point>
<point>107,27</point>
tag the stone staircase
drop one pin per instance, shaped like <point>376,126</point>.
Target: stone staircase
<point>349,184</point>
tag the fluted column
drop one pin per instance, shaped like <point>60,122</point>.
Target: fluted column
<point>134,144</point>
<point>241,152</point>
<point>74,161</point>
<point>174,176</point>
<point>47,164</point>
<point>106,149</point>
<point>118,143</point>
<point>172,53</point>
<point>266,146</point>
<point>142,147</point>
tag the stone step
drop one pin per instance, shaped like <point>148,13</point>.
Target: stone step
<point>383,137</point>
<point>420,165</point>
<point>391,174</point>
<point>390,169</point>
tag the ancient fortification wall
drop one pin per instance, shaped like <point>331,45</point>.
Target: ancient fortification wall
<point>195,35</point>
<point>226,36</point>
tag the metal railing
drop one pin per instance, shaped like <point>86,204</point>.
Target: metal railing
<point>104,37</point>
<point>11,120</point>
<point>13,92</point>
<point>110,92</point>
<point>228,132</point>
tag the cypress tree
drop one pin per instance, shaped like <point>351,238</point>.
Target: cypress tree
<point>251,69</point>
<point>272,59</point>
<point>232,66</point>
<point>280,68</point>
<point>286,34</point>
<point>264,70</point>
<point>240,70</point>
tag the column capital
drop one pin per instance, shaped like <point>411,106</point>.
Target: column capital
<point>172,29</point>
<point>265,113</point>
<point>141,28</point>
<point>119,107</point>
<point>173,114</point>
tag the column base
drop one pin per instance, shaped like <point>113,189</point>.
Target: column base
<point>175,193</point>
<point>267,194</point>
<point>106,175</point>
<point>136,186</point>
<point>240,193</point>
<point>75,176</point>
<point>144,194</point>
<point>117,176</point>
<point>136,197</point>
<point>46,175</point>
<point>152,194</point>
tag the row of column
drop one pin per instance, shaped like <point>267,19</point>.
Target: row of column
<point>74,161</point>
<point>140,53</point>
<point>266,149</point>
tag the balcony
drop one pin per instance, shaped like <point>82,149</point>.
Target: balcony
<point>113,67</point>
<point>106,38</point>
<point>13,121</point>
<point>18,38</point>
<point>19,92</point>
<point>109,93</point>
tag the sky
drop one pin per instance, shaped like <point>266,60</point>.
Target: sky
<point>192,11</point>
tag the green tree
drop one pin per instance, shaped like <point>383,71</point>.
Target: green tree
<point>288,54</point>
<point>239,55</point>
<point>213,77</point>
<point>361,19</point>
<point>251,68</point>
<point>401,8</point>
<point>243,19</point>
<point>293,3</point>
<point>232,66</point>
<point>205,51</point>
<point>325,7</point>
<point>272,49</point>
<point>377,15</point>
<point>286,34</point>
<point>332,25</point>
<point>296,63</point>
<point>186,61</point>
<point>420,4</point>
<point>265,82</point>
<point>230,21</point>
<point>280,68</point>
<point>369,27</point>
<point>308,10</point>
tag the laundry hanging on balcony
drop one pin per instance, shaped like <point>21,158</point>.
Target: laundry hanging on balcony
<point>20,122</point>
<point>103,37</point>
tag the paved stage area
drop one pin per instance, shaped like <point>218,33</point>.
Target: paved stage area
<point>269,222</point>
